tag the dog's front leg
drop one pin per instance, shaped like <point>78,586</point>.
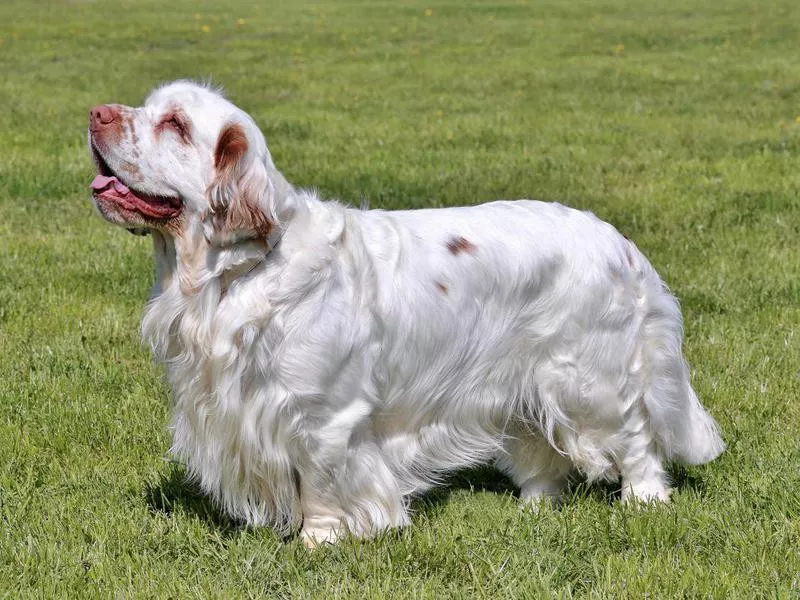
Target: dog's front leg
<point>346,485</point>
<point>324,521</point>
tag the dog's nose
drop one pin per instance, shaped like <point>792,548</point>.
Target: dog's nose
<point>103,115</point>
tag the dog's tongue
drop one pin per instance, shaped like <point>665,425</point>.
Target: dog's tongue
<point>112,189</point>
<point>101,182</point>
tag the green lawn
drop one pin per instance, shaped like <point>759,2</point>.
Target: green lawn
<point>677,121</point>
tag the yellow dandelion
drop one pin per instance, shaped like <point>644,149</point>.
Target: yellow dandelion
<point>428,12</point>
<point>205,28</point>
<point>241,22</point>
<point>619,49</point>
<point>439,113</point>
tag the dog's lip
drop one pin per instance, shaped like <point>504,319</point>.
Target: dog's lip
<point>107,185</point>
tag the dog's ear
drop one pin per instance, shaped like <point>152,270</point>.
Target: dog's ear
<point>238,195</point>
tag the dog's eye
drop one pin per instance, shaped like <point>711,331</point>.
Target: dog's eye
<point>175,122</point>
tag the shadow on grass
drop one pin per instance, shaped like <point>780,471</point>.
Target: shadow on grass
<point>488,479</point>
<point>481,479</point>
<point>682,479</point>
<point>174,492</point>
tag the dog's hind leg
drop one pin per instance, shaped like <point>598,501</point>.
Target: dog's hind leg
<point>640,461</point>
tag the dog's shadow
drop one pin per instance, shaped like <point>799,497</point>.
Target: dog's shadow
<point>489,479</point>
<point>175,491</point>
<point>473,479</point>
<point>683,478</point>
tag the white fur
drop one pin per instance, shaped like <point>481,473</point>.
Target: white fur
<point>322,383</point>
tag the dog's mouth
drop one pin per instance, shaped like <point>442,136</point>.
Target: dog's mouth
<point>110,187</point>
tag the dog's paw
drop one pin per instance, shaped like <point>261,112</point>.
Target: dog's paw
<point>646,492</point>
<point>314,537</point>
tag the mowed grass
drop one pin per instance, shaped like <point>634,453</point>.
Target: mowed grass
<point>677,121</point>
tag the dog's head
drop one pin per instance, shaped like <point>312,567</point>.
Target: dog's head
<point>186,159</point>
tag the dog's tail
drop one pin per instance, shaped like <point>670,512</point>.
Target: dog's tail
<point>683,427</point>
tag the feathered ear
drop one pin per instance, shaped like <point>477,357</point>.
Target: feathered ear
<point>238,195</point>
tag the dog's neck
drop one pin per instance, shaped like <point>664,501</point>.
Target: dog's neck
<point>193,277</point>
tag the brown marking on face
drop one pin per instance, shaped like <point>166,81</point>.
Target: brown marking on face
<point>174,120</point>
<point>457,245</point>
<point>131,170</point>
<point>175,226</point>
<point>137,153</point>
<point>442,287</point>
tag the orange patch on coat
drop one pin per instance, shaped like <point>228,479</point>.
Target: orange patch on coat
<point>457,245</point>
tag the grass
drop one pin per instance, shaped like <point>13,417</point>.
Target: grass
<point>677,121</point>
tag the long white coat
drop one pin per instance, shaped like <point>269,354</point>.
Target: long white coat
<point>328,362</point>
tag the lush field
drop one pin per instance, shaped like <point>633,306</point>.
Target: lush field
<point>677,121</point>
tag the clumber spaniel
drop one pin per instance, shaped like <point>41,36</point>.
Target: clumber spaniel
<point>327,363</point>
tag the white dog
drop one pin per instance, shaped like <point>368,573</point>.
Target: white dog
<point>328,362</point>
